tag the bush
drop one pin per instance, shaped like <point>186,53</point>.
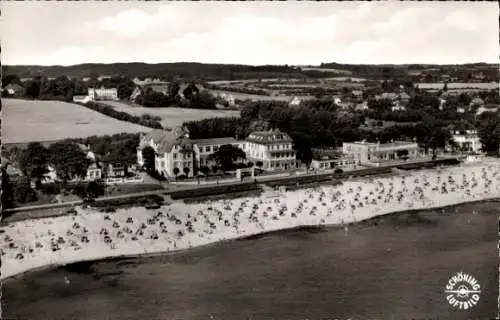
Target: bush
<point>22,192</point>
<point>156,175</point>
<point>78,189</point>
<point>95,189</point>
<point>182,177</point>
<point>51,189</point>
<point>213,190</point>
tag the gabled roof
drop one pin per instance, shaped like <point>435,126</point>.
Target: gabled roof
<point>165,140</point>
<point>388,95</point>
<point>477,101</point>
<point>404,95</point>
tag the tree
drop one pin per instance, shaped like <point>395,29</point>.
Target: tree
<point>402,153</point>
<point>205,170</point>
<point>215,169</point>
<point>68,160</point>
<point>176,171</point>
<point>7,190</point>
<point>186,171</point>
<point>226,155</point>
<point>190,91</point>
<point>32,89</point>
<point>22,191</point>
<point>10,79</point>
<point>259,164</point>
<point>203,100</point>
<point>33,160</point>
<point>148,154</point>
<point>95,189</point>
<point>250,164</point>
<point>489,134</point>
<point>173,89</point>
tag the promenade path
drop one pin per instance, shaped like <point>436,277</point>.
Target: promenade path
<point>57,209</point>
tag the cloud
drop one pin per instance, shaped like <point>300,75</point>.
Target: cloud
<point>129,23</point>
<point>253,33</point>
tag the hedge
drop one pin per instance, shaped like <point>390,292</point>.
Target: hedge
<point>213,190</point>
<point>123,116</point>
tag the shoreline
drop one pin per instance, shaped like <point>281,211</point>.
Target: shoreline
<point>255,236</point>
<point>367,214</point>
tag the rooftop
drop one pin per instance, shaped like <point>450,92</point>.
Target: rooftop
<point>271,136</point>
<point>385,145</point>
<point>397,144</point>
<point>164,139</point>
<point>205,142</point>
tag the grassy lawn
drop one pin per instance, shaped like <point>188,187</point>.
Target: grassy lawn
<point>115,190</point>
<point>29,120</point>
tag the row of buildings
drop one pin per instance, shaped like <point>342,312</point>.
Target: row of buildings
<point>174,149</point>
<point>97,170</point>
<point>273,148</point>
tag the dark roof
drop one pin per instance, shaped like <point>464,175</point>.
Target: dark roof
<point>267,137</point>
<point>165,140</point>
<point>225,140</point>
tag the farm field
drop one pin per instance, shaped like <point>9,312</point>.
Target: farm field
<point>26,120</point>
<point>453,85</point>
<point>244,96</point>
<point>327,70</point>
<point>222,82</point>
<point>172,117</point>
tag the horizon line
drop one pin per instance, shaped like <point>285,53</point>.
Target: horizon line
<point>250,65</point>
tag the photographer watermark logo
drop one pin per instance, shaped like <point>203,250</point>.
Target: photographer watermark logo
<point>462,291</point>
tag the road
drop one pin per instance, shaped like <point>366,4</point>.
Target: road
<point>28,212</point>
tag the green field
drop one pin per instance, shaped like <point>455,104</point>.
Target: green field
<point>28,120</point>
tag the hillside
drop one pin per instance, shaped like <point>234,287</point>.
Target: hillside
<point>386,71</point>
<point>211,72</point>
<point>164,71</point>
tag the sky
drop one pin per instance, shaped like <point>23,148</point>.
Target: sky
<point>253,33</point>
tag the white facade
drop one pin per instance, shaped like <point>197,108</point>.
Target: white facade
<point>469,141</point>
<point>81,99</point>
<point>482,110</point>
<point>273,148</point>
<point>50,176</point>
<point>398,107</point>
<point>295,101</point>
<point>229,98</point>
<point>103,94</point>
<point>203,148</point>
<point>366,152</point>
<point>178,157</point>
<point>328,163</point>
<point>93,173</point>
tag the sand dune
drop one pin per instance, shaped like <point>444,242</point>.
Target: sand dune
<point>92,235</point>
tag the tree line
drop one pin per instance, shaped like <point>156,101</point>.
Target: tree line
<point>144,120</point>
<point>321,123</point>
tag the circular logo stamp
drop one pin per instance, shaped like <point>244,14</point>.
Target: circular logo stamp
<point>462,291</point>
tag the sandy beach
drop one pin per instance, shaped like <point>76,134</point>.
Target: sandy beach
<point>90,235</point>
